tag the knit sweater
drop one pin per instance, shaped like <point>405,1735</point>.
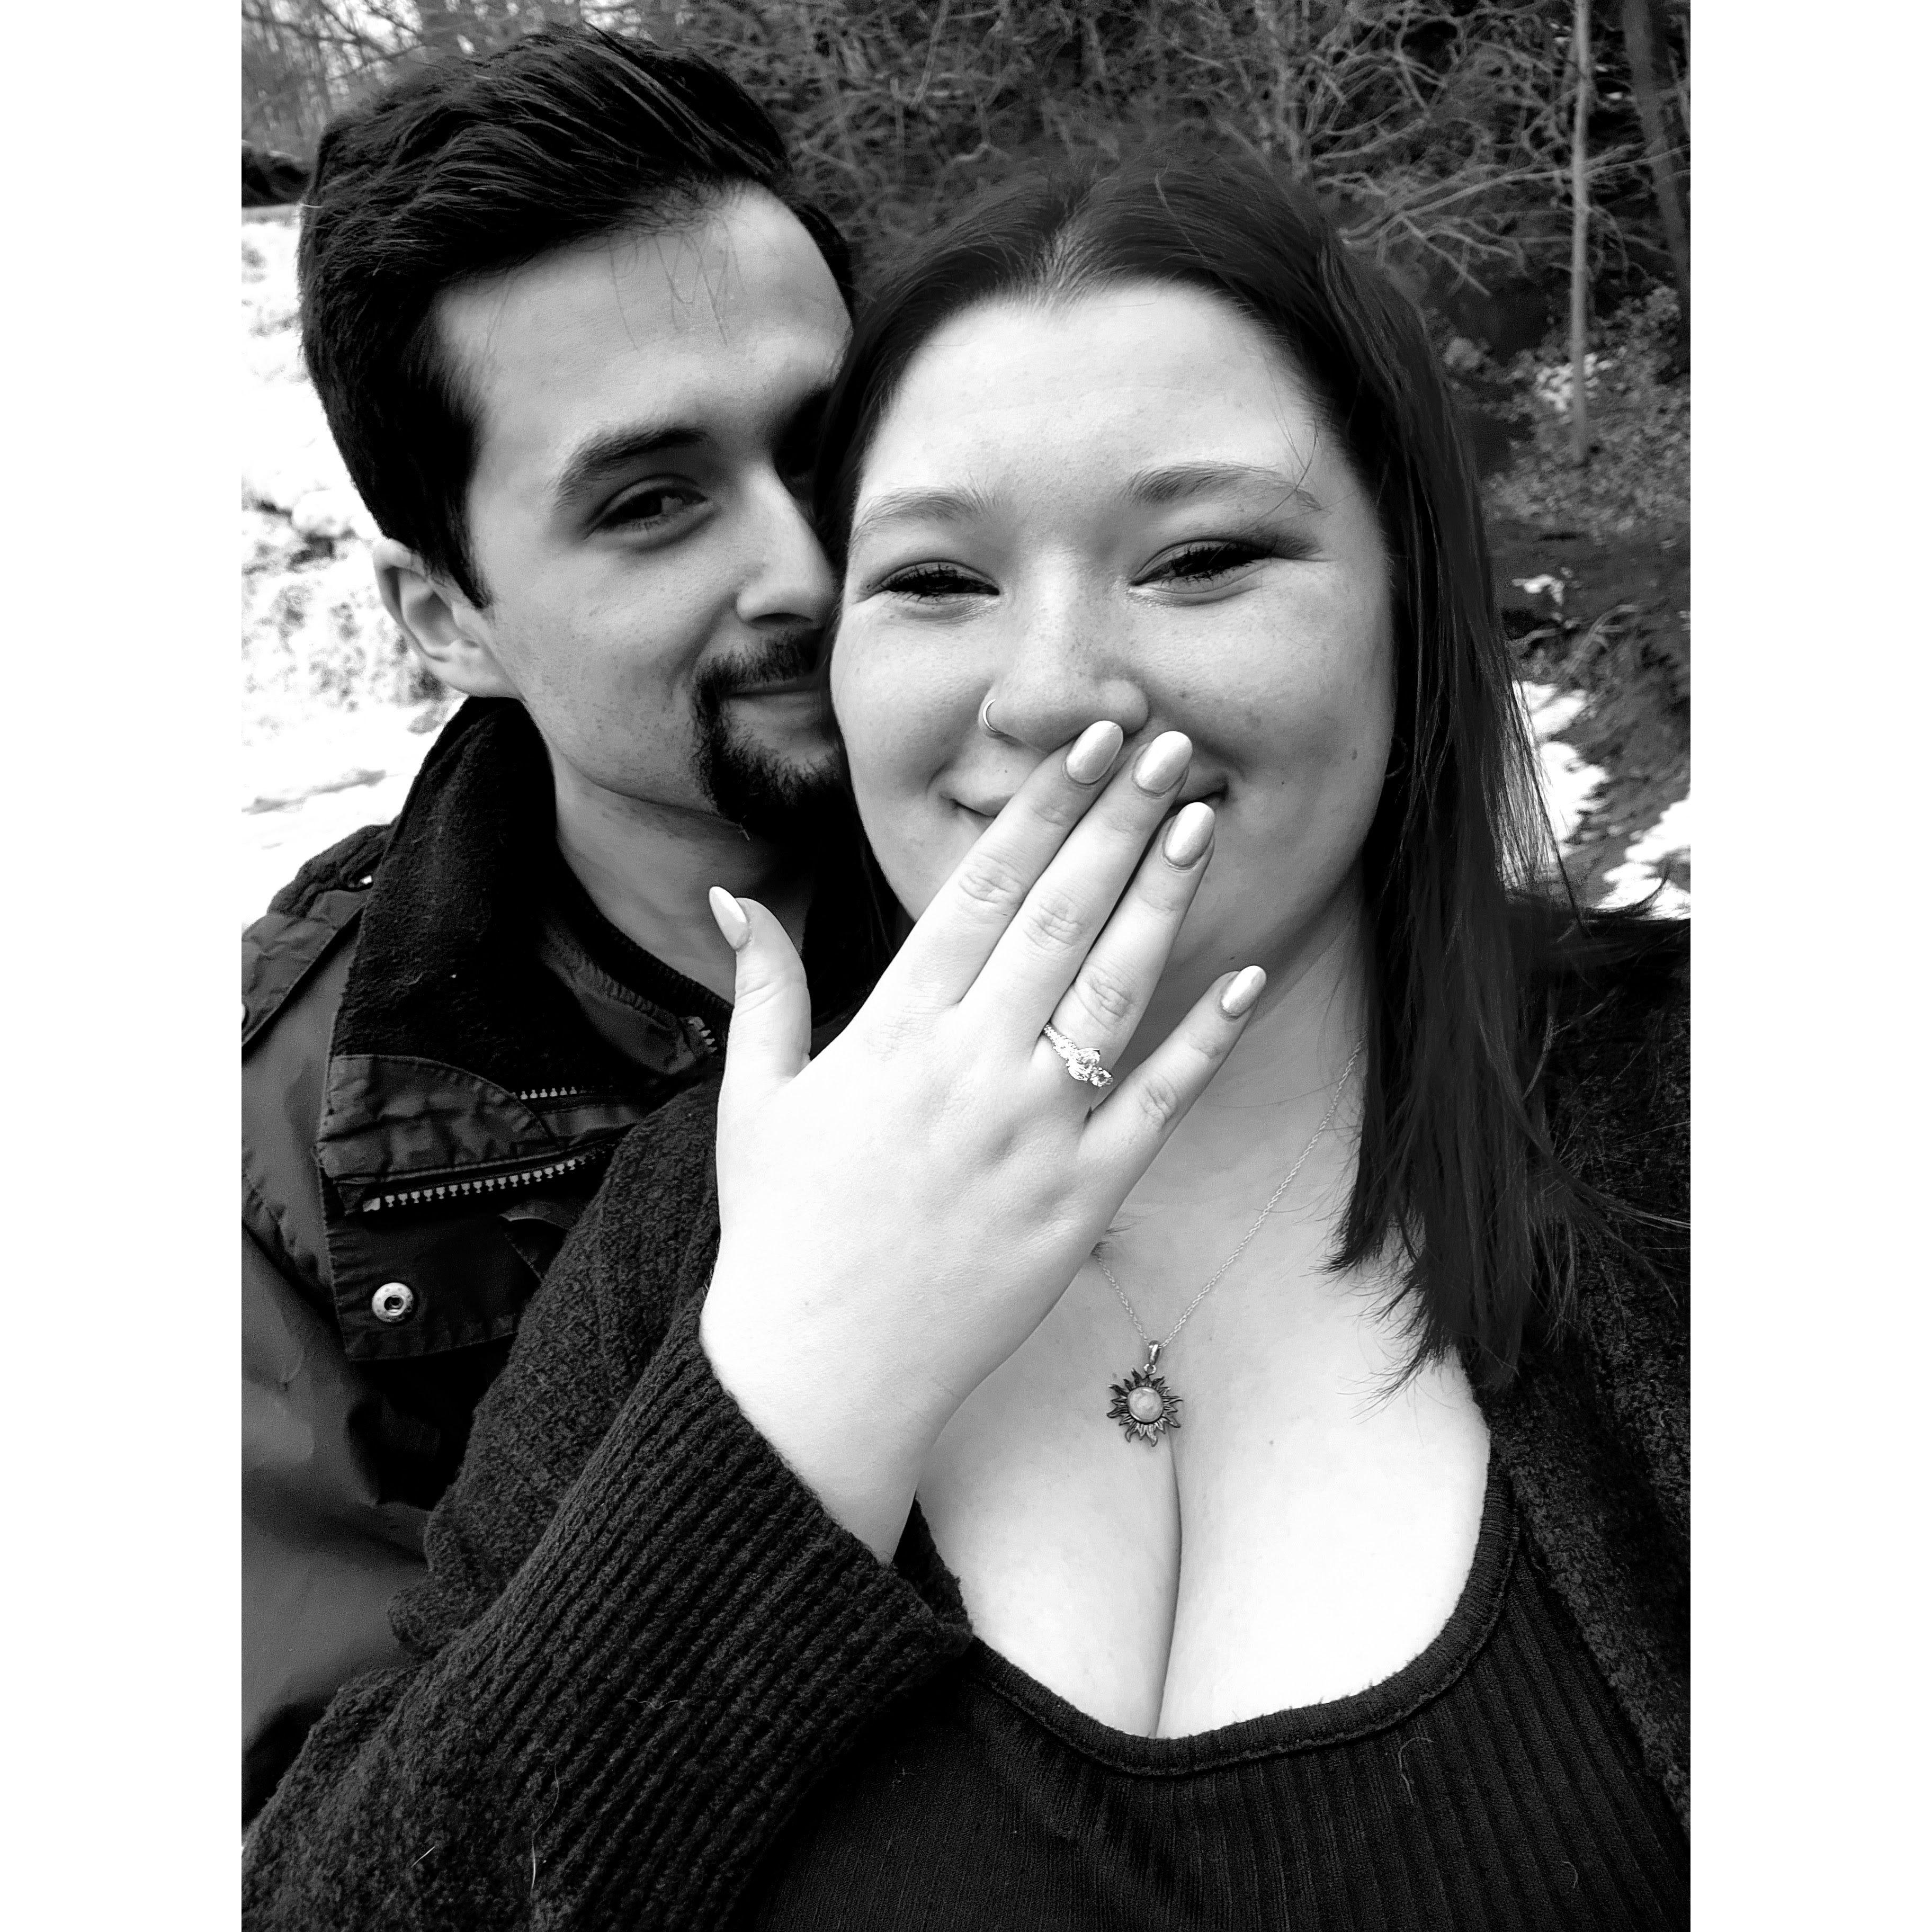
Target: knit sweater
<point>642,1640</point>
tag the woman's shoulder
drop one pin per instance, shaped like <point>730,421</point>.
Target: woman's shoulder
<point>1612,1040</point>
<point>644,1246</point>
<point>670,1153</point>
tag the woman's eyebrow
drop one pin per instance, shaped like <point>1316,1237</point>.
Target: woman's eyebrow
<point>1174,483</point>
<point>942,505</point>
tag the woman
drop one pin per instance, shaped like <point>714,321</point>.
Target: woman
<point>1022,1498</point>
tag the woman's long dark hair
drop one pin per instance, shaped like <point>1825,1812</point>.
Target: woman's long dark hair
<point>1455,1169</point>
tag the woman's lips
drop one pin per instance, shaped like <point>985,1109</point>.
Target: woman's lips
<point>988,810</point>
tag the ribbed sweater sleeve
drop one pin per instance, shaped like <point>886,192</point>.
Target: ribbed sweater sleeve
<point>642,1636</point>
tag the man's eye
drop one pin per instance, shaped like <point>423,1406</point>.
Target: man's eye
<point>931,580</point>
<point>1206,563</point>
<point>652,507</point>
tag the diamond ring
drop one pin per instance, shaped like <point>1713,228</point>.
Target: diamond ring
<point>1083,1063</point>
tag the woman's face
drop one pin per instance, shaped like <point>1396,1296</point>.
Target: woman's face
<point>1121,506</point>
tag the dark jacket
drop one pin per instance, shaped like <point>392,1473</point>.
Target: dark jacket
<point>641,1640</point>
<point>430,1094</point>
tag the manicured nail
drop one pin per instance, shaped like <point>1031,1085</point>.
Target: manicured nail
<point>1093,752</point>
<point>1158,767</point>
<point>730,917</point>
<point>1243,991</point>
<point>1190,835</point>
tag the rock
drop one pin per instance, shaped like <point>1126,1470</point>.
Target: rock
<point>268,543</point>
<point>331,514</point>
<point>270,178</point>
<point>287,451</point>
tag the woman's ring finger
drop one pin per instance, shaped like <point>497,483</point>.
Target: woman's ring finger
<point>1082,1062</point>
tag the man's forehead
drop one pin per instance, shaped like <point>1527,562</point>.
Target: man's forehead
<point>653,280</point>
<point>669,319</point>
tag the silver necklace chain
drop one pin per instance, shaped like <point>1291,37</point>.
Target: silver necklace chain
<point>1208,1286</point>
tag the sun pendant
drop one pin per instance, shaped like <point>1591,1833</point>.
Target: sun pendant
<point>1144,1405</point>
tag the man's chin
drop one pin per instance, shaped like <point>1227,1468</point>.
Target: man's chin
<point>785,791</point>
<point>787,727</point>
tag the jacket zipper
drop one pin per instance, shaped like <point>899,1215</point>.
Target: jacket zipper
<point>489,1184</point>
<point>706,1036</point>
<point>494,1183</point>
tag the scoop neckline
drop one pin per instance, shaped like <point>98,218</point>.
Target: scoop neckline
<point>1425,1677</point>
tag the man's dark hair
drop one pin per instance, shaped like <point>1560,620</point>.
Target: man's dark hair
<point>471,167</point>
<point>1457,1166</point>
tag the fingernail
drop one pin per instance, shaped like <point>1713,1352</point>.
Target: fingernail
<point>1243,991</point>
<point>1161,765</point>
<point>1093,753</point>
<point>730,917</point>
<point>1190,835</point>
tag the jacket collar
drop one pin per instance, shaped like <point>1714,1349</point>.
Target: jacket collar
<point>456,1049</point>
<point>447,968</point>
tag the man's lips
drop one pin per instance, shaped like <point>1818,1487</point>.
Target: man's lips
<point>790,687</point>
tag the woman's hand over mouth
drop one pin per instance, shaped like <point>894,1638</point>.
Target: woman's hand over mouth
<point>899,1214</point>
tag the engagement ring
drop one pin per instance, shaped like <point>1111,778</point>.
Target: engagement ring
<point>1083,1063</point>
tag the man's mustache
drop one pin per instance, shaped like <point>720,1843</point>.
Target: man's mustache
<point>794,655</point>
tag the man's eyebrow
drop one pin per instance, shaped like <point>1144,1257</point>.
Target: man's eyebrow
<point>939,505</point>
<point>1174,483</point>
<point>598,457</point>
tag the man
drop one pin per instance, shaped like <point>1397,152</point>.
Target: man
<point>570,328</point>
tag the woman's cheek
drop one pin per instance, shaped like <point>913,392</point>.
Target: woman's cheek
<point>911,837</point>
<point>890,782</point>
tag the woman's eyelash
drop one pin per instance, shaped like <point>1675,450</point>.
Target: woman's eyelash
<point>930,580</point>
<point>1208,560</point>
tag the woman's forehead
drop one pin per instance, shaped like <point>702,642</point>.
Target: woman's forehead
<point>1151,383</point>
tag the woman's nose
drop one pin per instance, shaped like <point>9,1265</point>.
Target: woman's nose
<point>1059,672</point>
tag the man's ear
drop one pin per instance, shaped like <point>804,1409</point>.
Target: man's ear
<point>444,628</point>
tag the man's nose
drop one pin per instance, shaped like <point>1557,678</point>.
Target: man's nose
<point>786,579</point>
<point>1060,670</point>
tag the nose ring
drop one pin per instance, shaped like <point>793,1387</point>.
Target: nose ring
<point>987,725</point>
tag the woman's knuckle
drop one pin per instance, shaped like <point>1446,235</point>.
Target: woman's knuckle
<point>1108,998</point>
<point>758,993</point>
<point>986,880</point>
<point>1058,809</point>
<point>1159,1098</point>
<point>1054,921</point>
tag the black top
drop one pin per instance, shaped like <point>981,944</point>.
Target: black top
<point>1491,1783</point>
<point>643,1652</point>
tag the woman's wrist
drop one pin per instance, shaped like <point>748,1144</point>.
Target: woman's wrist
<point>855,1430</point>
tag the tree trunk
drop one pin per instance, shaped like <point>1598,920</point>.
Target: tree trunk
<point>1657,151</point>
<point>1580,250</point>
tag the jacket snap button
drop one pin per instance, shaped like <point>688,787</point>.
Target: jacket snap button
<point>393,1301</point>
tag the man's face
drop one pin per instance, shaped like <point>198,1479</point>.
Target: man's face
<point>647,408</point>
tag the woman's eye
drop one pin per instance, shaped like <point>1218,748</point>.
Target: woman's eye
<point>930,581</point>
<point>1206,563</point>
<point>652,507</point>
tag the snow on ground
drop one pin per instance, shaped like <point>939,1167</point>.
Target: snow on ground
<point>336,718</point>
<point>1569,785</point>
<point>1644,864</point>
<point>317,782</point>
